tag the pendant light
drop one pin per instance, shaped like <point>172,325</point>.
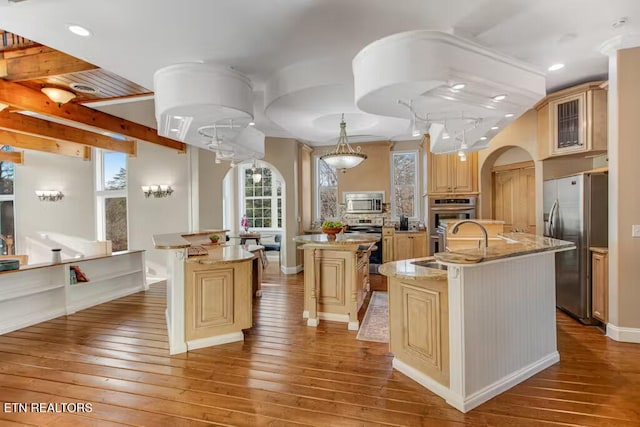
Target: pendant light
<point>255,175</point>
<point>343,156</point>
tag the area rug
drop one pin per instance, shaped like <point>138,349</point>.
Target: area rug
<point>375,325</point>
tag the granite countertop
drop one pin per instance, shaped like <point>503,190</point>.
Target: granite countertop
<point>223,255</point>
<point>410,231</point>
<point>516,244</point>
<point>342,240</point>
<point>181,240</point>
<point>406,270</point>
<point>599,249</point>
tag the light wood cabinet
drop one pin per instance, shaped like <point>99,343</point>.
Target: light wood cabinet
<point>218,300</point>
<point>450,175</point>
<point>600,284</point>
<point>419,326</point>
<point>408,245</point>
<point>514,199</point>
<point>387,244</point>
<point>573,121</point>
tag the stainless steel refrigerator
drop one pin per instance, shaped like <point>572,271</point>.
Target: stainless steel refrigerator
<point>576,209</point>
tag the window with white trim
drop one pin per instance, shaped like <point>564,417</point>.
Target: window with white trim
<point>7,197</point>
<point>262,201</point>
<point>326,202</point>
<point>404,184</point>
<point>111,198</point>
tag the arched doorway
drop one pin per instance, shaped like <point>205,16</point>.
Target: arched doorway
<point>509,190</point>
<point>255,190</point>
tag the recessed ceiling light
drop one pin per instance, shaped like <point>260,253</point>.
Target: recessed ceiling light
<point>491,107</point>
<point>449,98</point>
<point>458,86</point>
<point>509,115</point>
<point>495,128</point>
<point>174,130</point>
<point>252,123</point>
<point>483,138</point>
<point>499,97</point>
<point>556,67</point>
<point>78,30</point>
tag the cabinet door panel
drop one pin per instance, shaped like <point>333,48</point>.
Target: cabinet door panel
<point>403,247</point>
<point>440,173</point>
<point>463,173</point>
<point>599,273</point>
<point>387,248</point>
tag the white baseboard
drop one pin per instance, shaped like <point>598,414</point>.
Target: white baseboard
<point>463,404</point>
<point>291,270</point>
<point>623,334</point>
<point>313,322</point>
<point>211,341</point>
<point>305,314</point>
<point>422,379</point>
<point>353,326</point>
<point>23,322</point>
<point>505,383</point>
<point>342,318</point>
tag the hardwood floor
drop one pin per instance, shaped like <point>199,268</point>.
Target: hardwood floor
<point>115,357</point>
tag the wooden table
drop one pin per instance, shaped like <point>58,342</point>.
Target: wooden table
<point>249,236</point>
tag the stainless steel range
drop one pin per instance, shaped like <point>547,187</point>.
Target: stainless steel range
<point>375,259</point>
<point>456,208</point>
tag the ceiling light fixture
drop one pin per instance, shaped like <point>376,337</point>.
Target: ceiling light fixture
<point>458,86</point>
<point>252,123</point>
<point>255,175</point>
<point>343,156</point>
<point>495,128</point>
<point>499,97</point>
<point>57,95</point>
<point>508,115</point>
<point>78,30</point>
<point>556,67</point>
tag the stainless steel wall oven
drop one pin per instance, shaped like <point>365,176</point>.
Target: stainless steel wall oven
<point>456,208</point>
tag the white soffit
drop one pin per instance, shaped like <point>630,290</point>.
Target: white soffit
<point>307,99</point>
<point>194,95</point>
<point>419,67</point>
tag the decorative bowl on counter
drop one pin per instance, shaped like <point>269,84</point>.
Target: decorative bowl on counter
<point>331,232</point>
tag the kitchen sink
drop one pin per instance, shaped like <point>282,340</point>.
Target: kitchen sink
<point>430,264</point>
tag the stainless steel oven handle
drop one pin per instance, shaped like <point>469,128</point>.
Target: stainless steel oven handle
<point>438,209</point>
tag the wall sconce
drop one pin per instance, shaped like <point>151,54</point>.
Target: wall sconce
<point>49,195</point>
<point>157,191</point>
<point>57,95</point>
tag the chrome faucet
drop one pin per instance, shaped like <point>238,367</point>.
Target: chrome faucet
<point>457,225</point>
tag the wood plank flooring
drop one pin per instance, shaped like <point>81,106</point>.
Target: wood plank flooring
<point>115,357</point>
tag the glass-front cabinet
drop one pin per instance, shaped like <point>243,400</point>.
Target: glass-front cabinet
<point>573,121</point>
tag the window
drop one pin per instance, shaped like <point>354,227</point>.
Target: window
<point>262,202</point>
<point>327,193</point>
<point>6,203</point>
<point>111,173</point>
<point>404,183</point>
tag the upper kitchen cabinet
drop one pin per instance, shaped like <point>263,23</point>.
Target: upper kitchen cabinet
<point>450,175</point>
<point>573,121</point>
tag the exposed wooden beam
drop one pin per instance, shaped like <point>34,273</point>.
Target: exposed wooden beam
<point>16,157</point>
<point>32,126</point>
<point>24,98</point>
<point>40,62</point>
<point>30,142</point>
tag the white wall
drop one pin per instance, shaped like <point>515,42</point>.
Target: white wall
<point>73,215</point>
<point>156,165</point>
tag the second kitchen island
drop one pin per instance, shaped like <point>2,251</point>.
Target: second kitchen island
<point>336,276</point>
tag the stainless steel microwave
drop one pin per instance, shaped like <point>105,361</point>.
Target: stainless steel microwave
<point>364,202</point>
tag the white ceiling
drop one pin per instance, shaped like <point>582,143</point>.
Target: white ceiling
<point>267,39</point>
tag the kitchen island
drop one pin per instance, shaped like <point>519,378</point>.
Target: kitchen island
<point>336,276</point>
<point>481,326</point>
<point>209,294</point>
